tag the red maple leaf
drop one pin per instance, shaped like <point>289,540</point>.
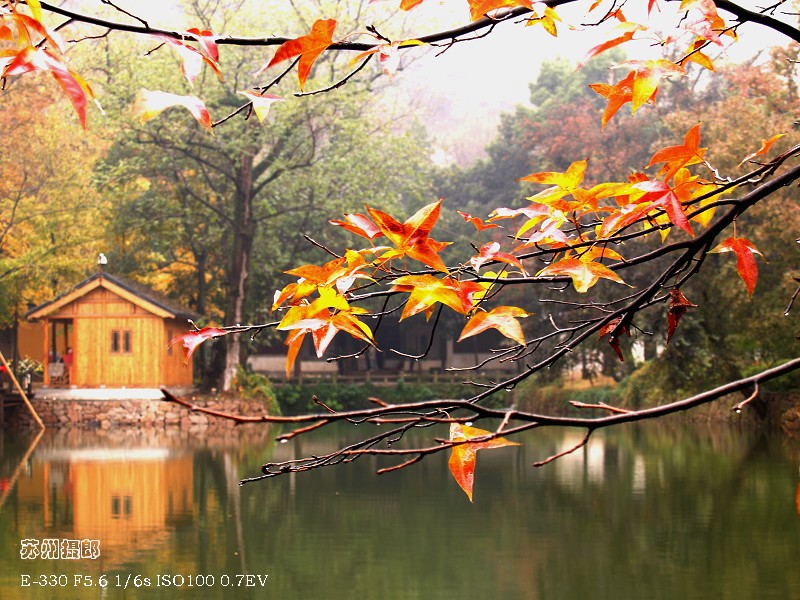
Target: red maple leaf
<point>192,339</point>
<point>745,260</point>
<point>678,305</point>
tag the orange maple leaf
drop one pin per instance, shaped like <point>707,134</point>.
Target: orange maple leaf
<point>683,155</point>
<point>584,274</point>
<point>427,290</point>
<point>478,223</point>
<point>647,76</point>
<point>547,19</point>
<point>501,318</point>
<point>617,95</point>
<point>462,457</point>
<point>746,264</point>
<point>307,47</point>
<point>693,54</point>
<point>481,8</point>
<point>411,237</point>
<point>323,319</point>
<point>765,146</point>
<point>627,27</point>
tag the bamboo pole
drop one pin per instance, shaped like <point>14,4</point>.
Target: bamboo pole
<point>21,391</point>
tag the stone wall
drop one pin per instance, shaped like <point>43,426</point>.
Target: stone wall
<point>108,414</point>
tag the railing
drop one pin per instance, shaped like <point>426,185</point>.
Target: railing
<point>392,378</point>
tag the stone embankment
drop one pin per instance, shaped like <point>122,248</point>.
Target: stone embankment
<point>150,413</point>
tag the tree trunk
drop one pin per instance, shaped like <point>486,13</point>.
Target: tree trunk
<point>242,245</point>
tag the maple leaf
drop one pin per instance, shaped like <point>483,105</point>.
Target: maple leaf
<point>765,146</point>
<point>563,183</point>
<point>546,19</point>
<point>660,194</point>
<point>341,272</point>
<point>388,55</point>
<point>745,260</point>
<point>307,47</point>
<point>151,104</point>
<point>501,318</point>
<point>613,340</point>
<point>192,60</point>
<point>617,95</point>
<point>36,9</point>
<point>478,223</point>
<point>323,318</point>
<point>31,58</point>
<point>491,251</point>
<point>261,103</point>
<point>294,341</point>
<point>462,457</point>
<point>683,155</point>
<point>678,305</point>
<point>625,216</point>
<point>411,238</point>
<point>548,233</point>
<point>360,225</point>
<point>207,41</point>
<point>192,339</point>
<point>427,290</point>
<point>535,212</point>
<point>693,54</point>
<point>628,28</point>
<point>584,274</point>
<point>406,4</point>
<point>480,8</point>
<point>647,77</point>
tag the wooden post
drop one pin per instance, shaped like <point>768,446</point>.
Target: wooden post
<point>21,391</point>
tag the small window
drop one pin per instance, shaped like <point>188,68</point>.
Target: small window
<point>121,341</point>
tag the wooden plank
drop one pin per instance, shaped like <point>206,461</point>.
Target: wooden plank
<point>32,410</point>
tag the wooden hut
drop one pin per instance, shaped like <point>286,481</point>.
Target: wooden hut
<point>110,332</point>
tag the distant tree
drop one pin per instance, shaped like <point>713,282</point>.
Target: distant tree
<point>48,211</point>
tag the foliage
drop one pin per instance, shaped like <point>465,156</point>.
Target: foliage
<point>296,399</point>
<point>257,387</point>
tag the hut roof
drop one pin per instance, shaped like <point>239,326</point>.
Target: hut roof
<point>136,293</point>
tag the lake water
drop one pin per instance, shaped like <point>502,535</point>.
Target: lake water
<point>645,512</point>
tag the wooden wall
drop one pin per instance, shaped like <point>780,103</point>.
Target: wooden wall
<point>140,358</point>
<point>174,371</point>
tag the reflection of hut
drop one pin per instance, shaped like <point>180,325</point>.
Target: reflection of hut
<point>112,332</point>
<point>125,498</point>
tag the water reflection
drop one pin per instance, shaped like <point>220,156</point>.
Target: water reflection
<point>640,512</point>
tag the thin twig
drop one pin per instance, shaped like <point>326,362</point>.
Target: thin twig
<point>550,459</point>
